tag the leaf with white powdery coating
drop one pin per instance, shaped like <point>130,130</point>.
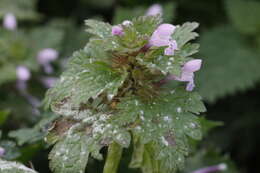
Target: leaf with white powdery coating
<point>70,155</point>
<point>14,167</point>
<point>85,79</point>
<point>98,28</point>
<point>184,33</point>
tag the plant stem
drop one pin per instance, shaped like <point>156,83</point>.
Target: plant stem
<point>113,158</point>
<point>138,153</point>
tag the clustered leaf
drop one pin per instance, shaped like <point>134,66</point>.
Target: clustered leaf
<point>109,94</point>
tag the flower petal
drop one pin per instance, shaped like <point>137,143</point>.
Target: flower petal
<point>192,65</point>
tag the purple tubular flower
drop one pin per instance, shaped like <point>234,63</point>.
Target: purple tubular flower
<point>117,30</point>
<point>154,10</point>
<point>2,151</point>
<point>211,169</point>
<point>49,82</point>
<point>162,37</point>
<point>23,73</point>
<point>187,74</point>
<point>45,57</point>
<point>9,21</point>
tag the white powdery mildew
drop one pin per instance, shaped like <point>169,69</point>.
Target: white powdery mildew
<point>164,141</point>
<point>5,165</point>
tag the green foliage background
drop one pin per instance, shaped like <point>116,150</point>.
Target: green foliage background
<point>228,81</point>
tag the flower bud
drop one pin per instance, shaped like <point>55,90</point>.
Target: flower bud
<point>117,30</point>
<point>9,21</point>
<point>23,73</point>
<point>47,55</point>
<point>49,82</point>
<point>2,151</point>
<point>154,10</point>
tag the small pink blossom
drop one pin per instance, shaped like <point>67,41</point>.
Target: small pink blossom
<point>49,82</point>
<point>2,151</point>
<point>187,74</point>
<point>162,37</point>
<point>23,73</point>
<point>154,10</point>
<point>117,30</point>
<point>9,21</point>
<point>211,169</point>
<point>45,57</point>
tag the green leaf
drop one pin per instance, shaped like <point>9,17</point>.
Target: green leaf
<point>244,15</point>
<point>222,72</point>
<point>146,25</point>
<point>208,125</point>
<point>8,73</point>
<point>70,155</point>
<point>166,122</point>
<point>100,29</point>
<point>85,79</point>
<point>31,135</point>
<point>184,33</point>
<point>3,116</point>
<point>22,9</point>
<point>14,167</point>
<point>11,150</point>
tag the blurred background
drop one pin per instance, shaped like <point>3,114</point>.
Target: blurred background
<point>34,51</point>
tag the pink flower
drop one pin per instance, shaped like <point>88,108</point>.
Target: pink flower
<point>211,169</point>
<point>117,30</point>
<point>9,21</point>
<point>187,74</point>
<point>45,57</point>
<point>23,73</point>
<point>2,151</point>
<point>49,82</point>
<point>162,37</point>
<point>154,10</point>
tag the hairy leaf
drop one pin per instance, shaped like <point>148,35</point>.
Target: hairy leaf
<point>70,155</point>
<point>222,72</point>
<point>14,167</point>
<point>244,15</point>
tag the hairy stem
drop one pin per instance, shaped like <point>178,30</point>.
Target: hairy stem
<point>113,158</point>
<point>138,153</point>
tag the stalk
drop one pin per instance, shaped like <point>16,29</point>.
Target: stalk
<point>113,158</point>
